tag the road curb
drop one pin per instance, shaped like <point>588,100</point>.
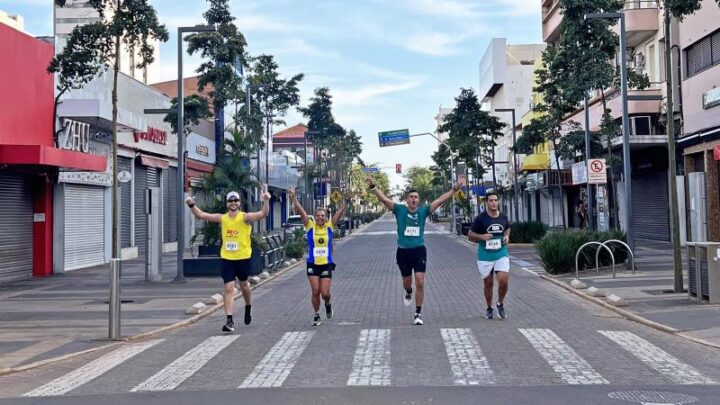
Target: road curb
<point>144,335</point>
<point>631,316</point>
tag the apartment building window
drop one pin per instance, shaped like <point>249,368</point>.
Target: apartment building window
<point>702,54</point>
<point>78,20</point>
<point>640,125</point>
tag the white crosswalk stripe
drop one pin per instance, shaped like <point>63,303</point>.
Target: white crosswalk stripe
<point>572,368</point>
<point>185,366</point>
<point>91,371</point>
<point>274,368</point>
<point>657,358</point>
<point>468,364</point>
<point>371,364</point>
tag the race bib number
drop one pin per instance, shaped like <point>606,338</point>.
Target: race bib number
<point>493,244</point>
<point>231,246</point>
<point>320,252</point>
<point>412,231</point>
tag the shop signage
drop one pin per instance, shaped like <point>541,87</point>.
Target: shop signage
<point>711,98</point>
<point>76,136</point>
<point>124,176</point>
<point>579,173</point>
<point>153,135</point>
<point>597,171</point>
<point>200,148</point>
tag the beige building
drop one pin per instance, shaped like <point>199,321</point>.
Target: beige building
<point>14,21</point>
<point>700,138</point>
<point>79,12</point>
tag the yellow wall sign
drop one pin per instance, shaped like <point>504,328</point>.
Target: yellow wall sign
<point>335,197</point>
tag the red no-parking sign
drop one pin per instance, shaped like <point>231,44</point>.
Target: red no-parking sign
<point>597,173</point>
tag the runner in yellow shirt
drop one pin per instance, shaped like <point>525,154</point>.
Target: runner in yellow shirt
<point>320,263</point>
<point>235,250</point>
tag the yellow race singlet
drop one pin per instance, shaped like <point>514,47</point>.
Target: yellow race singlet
<point>235,237</point>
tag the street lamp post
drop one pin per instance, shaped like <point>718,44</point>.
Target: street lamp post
<point>515,167</point>
<point>625,127</point>
<point>248,103</point>
<point>307,188</point>
<point>589,190</point>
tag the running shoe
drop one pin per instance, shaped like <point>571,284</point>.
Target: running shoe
<point>407,298</point>
<point>501,311</point>
<point>489,313</point>
<point>229,327</point>
<point>316,320</point>
<point>328,311</point>
<point>418,320</point>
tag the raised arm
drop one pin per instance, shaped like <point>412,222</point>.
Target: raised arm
<point>200,214</point>
<point>298,208</point>
<point>383,199</point>
<point>446,196</point>
<point>340,211</point>
<point>258,215</point>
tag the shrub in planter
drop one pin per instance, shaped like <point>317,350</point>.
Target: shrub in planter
<point>295,246</point>
<point>527,232</point>
<point>557,249</point>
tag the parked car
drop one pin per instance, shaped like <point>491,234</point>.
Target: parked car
<point>293,222</point>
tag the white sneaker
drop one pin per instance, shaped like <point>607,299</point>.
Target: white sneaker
<point>407,298</point>
<point>418,320</point>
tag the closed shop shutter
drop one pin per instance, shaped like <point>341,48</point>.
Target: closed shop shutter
<point>125,203</point>
<point>84,226</point>
<point>170,201</point>
<point>200,196</point>
<point>16,246</point>
<point>141,178</point>
<point>651,219</point>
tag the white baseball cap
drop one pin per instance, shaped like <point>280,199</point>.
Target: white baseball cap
<point>232,194</point>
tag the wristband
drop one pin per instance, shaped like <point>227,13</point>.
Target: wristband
<point>191,205</point>
<point>372,187</point>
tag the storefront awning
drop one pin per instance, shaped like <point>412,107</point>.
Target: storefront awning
<point>536,161</point>
<point>154,162</point>
<point>716,152</point>
<point>40,155</point>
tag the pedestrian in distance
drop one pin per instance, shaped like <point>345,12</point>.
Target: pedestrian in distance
<point>491,229</point>
<point>411,254</point>
<point>320,263</point>
<point>235,248</point>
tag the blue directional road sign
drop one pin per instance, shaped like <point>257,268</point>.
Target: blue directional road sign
<point>396,137</point>
<point>370,169</point>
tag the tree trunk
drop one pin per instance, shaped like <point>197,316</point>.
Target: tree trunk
<point>114,203</point>
<point>557,164</point>
<point>56,131</point>
<point>614,212</point>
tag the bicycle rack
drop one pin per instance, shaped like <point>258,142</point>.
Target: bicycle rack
<point>632,256</point>
<point>597,267</point>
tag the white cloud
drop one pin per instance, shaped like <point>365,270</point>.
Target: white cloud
<point>362,96</point>
<point>446,8</point>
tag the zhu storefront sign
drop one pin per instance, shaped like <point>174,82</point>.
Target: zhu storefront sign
<point>76,136</point>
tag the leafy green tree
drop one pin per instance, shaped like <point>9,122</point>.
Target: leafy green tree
<point>420,179</point>
<point>196,107</point>
<point>130,23</point>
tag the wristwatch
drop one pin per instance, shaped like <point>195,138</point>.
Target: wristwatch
<point>372,187</point>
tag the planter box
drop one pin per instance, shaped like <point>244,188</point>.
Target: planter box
<point>257,263</point>
<point>202,267</point>
<point>205,251</point>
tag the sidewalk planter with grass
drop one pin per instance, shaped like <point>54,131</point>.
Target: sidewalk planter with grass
<point>557,249</point>
<point>295,246</point>
<point>527,232</point>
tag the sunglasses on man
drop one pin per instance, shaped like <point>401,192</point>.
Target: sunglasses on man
<point>233,201</point>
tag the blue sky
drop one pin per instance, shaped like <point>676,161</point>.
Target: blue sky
<point>389,64</point>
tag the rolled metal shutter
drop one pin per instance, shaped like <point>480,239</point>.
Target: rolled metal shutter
<point>141,178</point>
<point>125,203</point>
<point>200,197</point>
<point>650,210</point>
<point>84,226</point>
<point>170,202</point>
<point>16,222</point>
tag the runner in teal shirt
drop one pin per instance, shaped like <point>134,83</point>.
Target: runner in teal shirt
<point>411,253</point>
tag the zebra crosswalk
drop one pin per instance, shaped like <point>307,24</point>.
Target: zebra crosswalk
<point>464,360</point>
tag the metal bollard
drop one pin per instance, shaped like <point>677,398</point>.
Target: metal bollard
<point>114,303</point>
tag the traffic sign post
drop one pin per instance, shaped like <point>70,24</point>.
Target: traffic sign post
<point>597,171</point>
<point>370,169</point>
<point>392,138</point>
<point>335,197</point>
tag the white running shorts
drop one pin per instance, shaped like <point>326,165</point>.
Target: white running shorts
<point>485,268</point>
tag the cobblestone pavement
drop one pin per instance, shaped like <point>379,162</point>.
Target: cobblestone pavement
<point>551,338</point>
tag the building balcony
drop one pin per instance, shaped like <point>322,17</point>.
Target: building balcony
<point>536,161</point>
<point>614,103</point>
<point>641,21</point>
<point>551,18</point>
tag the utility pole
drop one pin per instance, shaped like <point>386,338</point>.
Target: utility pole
<point>670,128</point>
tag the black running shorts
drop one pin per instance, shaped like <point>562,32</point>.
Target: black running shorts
<point>409,260</point>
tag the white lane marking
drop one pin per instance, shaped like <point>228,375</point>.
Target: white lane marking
<point>185,366</point>
<point>371,364</point>
<point>572,368</point>
<point>374,233</point>
<point>657,358</point>
<point>534,273</point>
<point>91,371</point>
<point>468,364</point>
<point>275,367</point>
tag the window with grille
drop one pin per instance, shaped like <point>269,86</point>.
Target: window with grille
<point>702,54</point>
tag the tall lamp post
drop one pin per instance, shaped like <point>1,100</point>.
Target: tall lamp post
<point>308,191</point>
<point>515,168</point>
<point>625,127</point>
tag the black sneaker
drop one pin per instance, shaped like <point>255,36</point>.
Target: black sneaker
<point>328,311</point>
<point>229,327</point>
<point>501,311</point>
<point>316,320</point>
<point>418,320</point>
<point>248,317</point>
<point>407,298</point>
<point>489,313</point>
